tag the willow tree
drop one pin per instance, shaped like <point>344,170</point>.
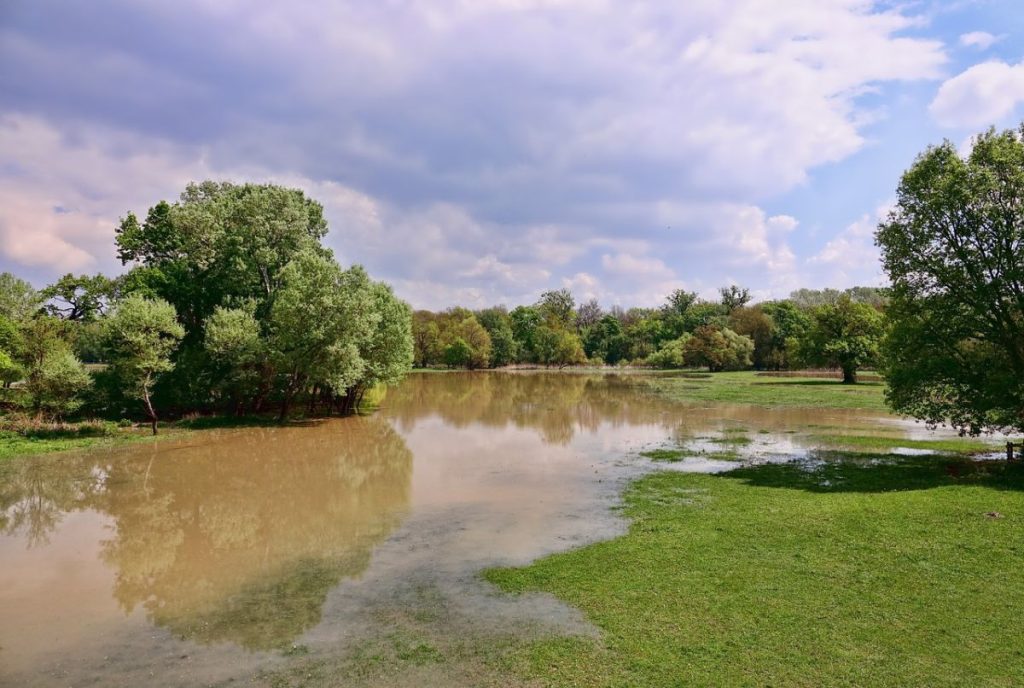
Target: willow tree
<point>953,247</point>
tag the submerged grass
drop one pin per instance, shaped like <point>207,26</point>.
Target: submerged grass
<point>747,387</point>
<point>883,571</point>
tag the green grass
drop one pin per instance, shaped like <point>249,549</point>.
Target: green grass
<point>666,455</point>
<point>886,572</point>
<point>951,445</point>
<point>13,444</point>
<point>748,388</point>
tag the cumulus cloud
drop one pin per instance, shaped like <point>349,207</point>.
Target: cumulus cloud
<point>982,40</point>
<point>464,151</point>
<point>979,96</point>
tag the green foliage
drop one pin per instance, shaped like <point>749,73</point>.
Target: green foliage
<point>952,250</point>
<point>141,336</point>
<point>557,309</point>
<point>557,347</point>
<point>606,341</point>
<point>718,348</point>
<point>809,299</point>
<point>504,347</point>
<point>734,297</point>
<point>845,334</point>
<point>790,325</point>
<point>56,384</point>
<point>19,300</point>
<point>79,298</point>
<point>672,353</point>
<point>233,340</point>
<point>458,354</point>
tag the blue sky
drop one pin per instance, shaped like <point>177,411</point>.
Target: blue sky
<point>478,153</point>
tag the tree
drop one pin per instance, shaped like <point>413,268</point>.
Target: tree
<point>19,300</point>
<point>734,297</point>
<point>679,301</point>
<point>557,308</point>
<point>504,349</point>
<point>219,245</point>
<point>718,348</point>
<point>458,354</point>
<point>952,249</point>
<point>558,347</point>
<point>55,386</point>
<point>606,341</point>
<point>753,322</point>
<point>588,314</point>
<point>427,346</point>
<point>845,334</point>
<point>790,325</point>
<point>672,354</point>
<point>525,320</point>
<point>387,349</point>
<point>233,339</point>
<point>51,378</point>
<point>141,336</point>
<point>82,298</point>
<point>317,322</point>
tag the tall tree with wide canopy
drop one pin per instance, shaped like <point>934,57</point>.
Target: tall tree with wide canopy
<point>953,248</point>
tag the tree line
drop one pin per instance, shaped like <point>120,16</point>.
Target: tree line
<point>230,304</point>
<point>841,329</point>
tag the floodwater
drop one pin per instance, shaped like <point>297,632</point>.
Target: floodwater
<point>223,555</point>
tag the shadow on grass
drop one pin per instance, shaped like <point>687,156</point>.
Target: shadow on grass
<point>791,382</point>
<point>883,473</point>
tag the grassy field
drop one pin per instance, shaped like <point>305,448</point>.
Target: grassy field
<point>747,387</point>
<point>876,571</point>
<point>14,444</point>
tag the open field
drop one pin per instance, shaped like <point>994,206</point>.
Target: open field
<point>747,387</point>
<point>869,571</point>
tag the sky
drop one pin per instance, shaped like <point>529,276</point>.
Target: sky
<point>476,153</point>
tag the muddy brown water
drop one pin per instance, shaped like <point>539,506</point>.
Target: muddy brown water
<point>226,554</point>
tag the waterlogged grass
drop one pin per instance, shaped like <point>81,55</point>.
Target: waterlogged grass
<point>666,455</point>
<point>881,571</point>
<point>950,445</point>
<point>748,387</point>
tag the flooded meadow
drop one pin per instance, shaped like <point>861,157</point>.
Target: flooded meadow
<point>261,553</point>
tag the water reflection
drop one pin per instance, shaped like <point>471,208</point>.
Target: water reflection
<point>235,538</point>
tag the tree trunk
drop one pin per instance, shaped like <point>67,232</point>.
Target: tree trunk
<point>849,375</point>
<point>149,408</point>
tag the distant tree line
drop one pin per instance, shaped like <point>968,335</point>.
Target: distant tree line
<point>230,304</point>
<point>827,328</point>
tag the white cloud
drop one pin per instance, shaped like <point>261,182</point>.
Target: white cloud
<point>979,96</point>
<point>851,257</point>
<point>982,40</point>
<point>475,152</point>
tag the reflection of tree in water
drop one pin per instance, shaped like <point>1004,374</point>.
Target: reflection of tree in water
<point>242,537</point>
<point>557,405</point>
<point>35,493</point>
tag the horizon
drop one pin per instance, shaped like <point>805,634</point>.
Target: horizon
<point>475,156</point>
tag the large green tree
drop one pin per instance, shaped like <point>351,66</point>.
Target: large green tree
<point>845,334</point>
<point>952,247</point>
<point>141,336</point>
